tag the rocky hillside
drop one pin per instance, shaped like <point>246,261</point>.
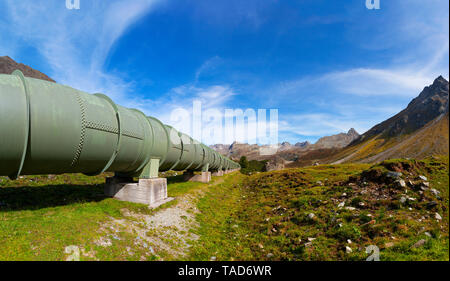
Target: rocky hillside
<point>8,65</point>
<point>334,212</point>
<point>418,131</point>
<point>431,102</point>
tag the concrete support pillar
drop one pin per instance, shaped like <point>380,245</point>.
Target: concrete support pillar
<point>150,170</point>
<point>152,192</point>
<point>204,177</point>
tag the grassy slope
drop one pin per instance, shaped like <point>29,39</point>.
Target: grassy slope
<point>258,217</point>
<point>266,216</point>
<point>41,215</point>
<point>432,139</point>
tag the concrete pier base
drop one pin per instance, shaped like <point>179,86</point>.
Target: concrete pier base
<point>204,177</point>
<point>152,192</point>
<point>218,173</point>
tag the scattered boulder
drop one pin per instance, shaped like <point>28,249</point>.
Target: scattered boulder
<point>400,183</point>
<point>437,216</point>
<point>348,250</point>
<point>424,178</point>
<point>395,175</point>
<point>419,243</point>
<point>435,192</point>
<point>103,242</point>
<point>431,204</point>
<point>311,216</point>
<point>403,200</point>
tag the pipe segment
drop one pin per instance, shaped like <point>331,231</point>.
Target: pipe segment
<point>49,128</point>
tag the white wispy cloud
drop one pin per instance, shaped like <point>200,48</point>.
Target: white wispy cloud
<point>319,124</point>
<point>341,100</point>
<point>207,66</point>
<point>76,43</point>
<point>360,97</point>
<point>360,82</point>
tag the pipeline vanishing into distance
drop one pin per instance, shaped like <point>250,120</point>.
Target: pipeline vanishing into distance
<point>48,128</point>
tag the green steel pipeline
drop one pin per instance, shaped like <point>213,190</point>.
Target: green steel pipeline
<point>48,128</point>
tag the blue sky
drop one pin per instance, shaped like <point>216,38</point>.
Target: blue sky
<point>326,66</point>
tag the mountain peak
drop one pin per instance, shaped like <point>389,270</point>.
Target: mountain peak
<point>303,144</point>
<point>352,132</point>
<point>8,65</point>
<point>338,140</point>
<point>429,104</point>
<point>440,79</point>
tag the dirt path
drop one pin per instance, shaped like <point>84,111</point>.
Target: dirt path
<point>166,234</point>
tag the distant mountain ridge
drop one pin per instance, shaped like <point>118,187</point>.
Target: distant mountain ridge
<point>339,140</point>
<point>8,65</point>
<point>418,131</point>
<point>252,151</point>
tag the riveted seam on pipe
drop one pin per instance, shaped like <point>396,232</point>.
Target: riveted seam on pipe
<point>195,152</point>
<point>119,136</point>
<point>152,139</point>
<point>203,158</point>
<point>112,129</point>
<point>83,130</point>
<point>166,127</point>
<point>19,74</point>
<point>163,159</point>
